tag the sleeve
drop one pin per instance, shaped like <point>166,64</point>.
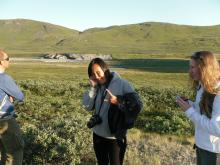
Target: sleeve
<point>211,125</point>
<point>12,89</point>
<point>127,87</point>
<point>88,98</point>
<point>191,103</point>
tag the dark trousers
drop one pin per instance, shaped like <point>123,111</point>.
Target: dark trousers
<point>204,157</point>
<point>11,143</point>
<point>108,150</point>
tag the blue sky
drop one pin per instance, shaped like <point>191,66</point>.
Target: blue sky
<point>84,14</point>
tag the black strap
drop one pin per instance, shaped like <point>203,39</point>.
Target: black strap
<point>210,98</point>
<point>102,100</point>
<point>104,93</point>
<point>198,87</point>
<point>194,146</point>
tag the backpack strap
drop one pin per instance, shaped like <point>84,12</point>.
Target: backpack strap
<point>210,103</point>
<point>210,98</point>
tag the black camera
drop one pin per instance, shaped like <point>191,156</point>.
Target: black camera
<point>94,120</point>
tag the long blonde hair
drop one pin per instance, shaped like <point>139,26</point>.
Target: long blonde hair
<point>210,76</point>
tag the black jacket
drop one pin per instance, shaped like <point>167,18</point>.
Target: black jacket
<point>122,116</point>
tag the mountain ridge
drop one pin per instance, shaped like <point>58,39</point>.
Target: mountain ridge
<point>20,36</point>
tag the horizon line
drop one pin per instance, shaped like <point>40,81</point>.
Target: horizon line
<point>109,25</point>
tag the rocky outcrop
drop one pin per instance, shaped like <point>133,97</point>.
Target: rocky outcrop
<point>73,56</point>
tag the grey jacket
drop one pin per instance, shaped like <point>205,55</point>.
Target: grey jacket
<point>8,88</point>
<point>117,86</point>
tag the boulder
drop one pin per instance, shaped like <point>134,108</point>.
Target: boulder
<point>73,56</point>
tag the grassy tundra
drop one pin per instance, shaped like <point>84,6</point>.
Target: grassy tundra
<point>54,122</point>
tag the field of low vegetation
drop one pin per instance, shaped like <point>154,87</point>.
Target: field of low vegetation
<point>53,120</point>
<point>151,55</point>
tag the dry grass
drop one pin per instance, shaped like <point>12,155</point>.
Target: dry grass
<point>154,149</point>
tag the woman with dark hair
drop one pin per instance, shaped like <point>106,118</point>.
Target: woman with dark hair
<point>105,87</point>
<point>204,74</point>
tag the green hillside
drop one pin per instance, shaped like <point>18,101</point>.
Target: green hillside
<point>27,36</point>
<point>21,36</point>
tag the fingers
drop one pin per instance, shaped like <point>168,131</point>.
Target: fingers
<point>183,104</point>
<point>179,100</point>
<point>11,99</point>
<point>110,93</point>
<point>112,99</point>
<point>92,81</point>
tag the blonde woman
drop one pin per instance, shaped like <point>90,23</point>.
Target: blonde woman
<point>204,73</point>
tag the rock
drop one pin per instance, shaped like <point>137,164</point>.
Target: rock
<point>60,57</point>
<point>73,56</point>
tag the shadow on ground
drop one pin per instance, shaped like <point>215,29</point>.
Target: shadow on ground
<point>153,65</point>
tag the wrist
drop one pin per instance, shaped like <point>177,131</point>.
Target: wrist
<point>92,92</point>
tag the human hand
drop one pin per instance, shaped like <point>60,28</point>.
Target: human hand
<point>92,82</point>
<point>182,97</point>
<point>112,98</point>
<point>183,103</point>
<point>11,99</point>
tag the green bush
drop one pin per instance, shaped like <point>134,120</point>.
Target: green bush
<point>54,122</point>
<point>161,113</point>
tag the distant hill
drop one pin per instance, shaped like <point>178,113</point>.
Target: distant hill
<point>20,36</point>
